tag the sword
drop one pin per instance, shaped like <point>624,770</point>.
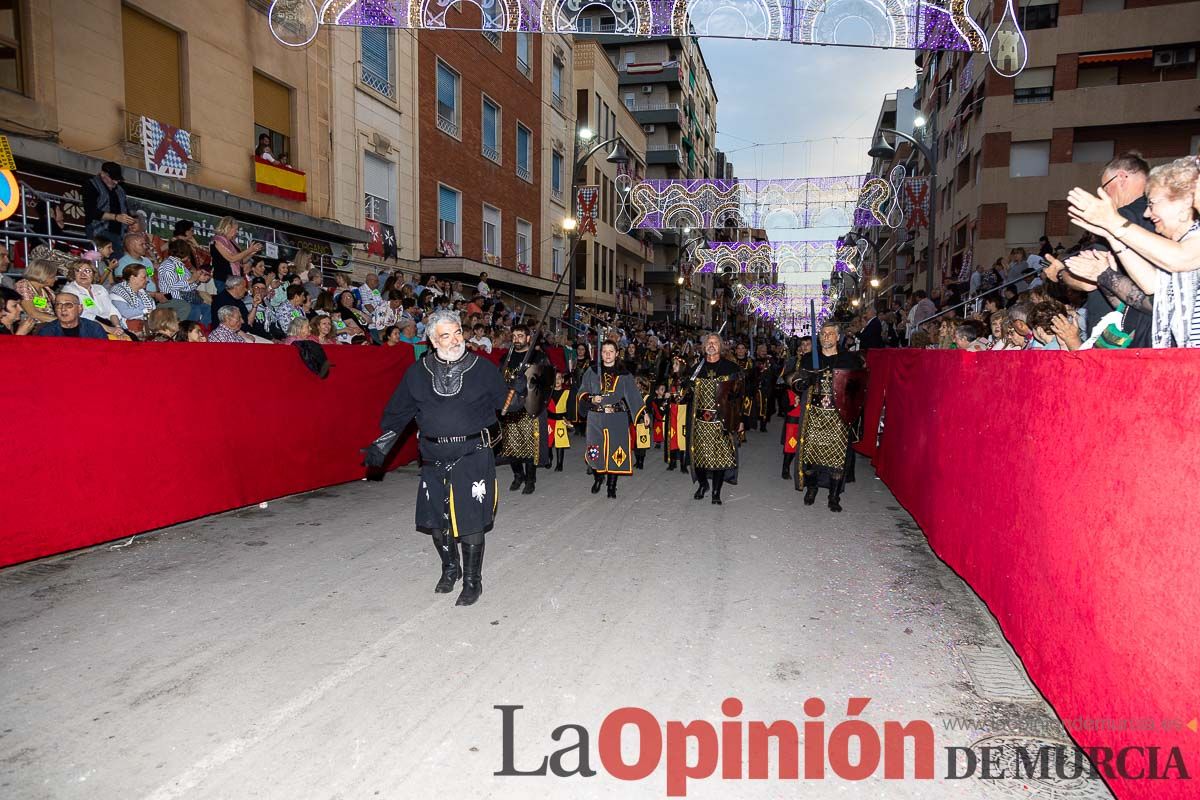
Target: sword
<point>700,363</point>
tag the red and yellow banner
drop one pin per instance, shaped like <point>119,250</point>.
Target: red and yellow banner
<point>281,181</point>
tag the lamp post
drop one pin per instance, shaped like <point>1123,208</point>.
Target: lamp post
<point>583,138</point>
<point>886,152</point>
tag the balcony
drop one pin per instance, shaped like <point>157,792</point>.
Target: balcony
<point>524,174</point>
<point>448,126</point>
<point>526,70</point>
<point>557,196</point>
<point>492,37</point>
<point>560,105</point>
<point>632,74</point>
<point>658,114</point>
<point>376,82</point>
<point>664,154</point>
<point>490,153</point>
<point>133,135</point>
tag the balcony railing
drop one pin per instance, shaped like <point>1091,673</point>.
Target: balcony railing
<point>654,107</point>
<point>376,82</point>
<point>375,208</point>
<point>133,135</point>
<point>656,148</point>
<point>559,104</point>
<point>526,70</point>
<point>523,173</point>
<point>447,126</point>
<point>492,37</point>
<point>491,153</point>
<point>557,196</point>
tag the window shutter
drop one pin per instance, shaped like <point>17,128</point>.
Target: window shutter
<point>447,204</point>
<point>272,105</point>
<point>445,89</point>
<point>375,55</point>
<point>489,125</point>
<point>152,70</point>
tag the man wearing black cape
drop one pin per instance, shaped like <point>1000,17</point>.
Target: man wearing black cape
<point>454,396</point>
<point>824,448</point>
<point>715,420</point>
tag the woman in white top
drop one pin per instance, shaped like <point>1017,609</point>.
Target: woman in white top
<point>97,305</point>
<point>1165,264</point>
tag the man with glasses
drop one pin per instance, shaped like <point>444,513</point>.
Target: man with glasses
<point>69,321</point>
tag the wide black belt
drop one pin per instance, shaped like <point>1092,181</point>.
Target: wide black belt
<point>471,437</point>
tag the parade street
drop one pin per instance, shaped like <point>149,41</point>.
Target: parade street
<point>299,651</point>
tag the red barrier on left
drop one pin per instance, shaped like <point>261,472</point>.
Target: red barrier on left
<point>107,439</point>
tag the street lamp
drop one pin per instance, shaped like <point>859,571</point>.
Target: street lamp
<point>618,155</point>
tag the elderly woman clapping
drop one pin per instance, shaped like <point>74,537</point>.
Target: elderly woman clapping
<point>96,302</point>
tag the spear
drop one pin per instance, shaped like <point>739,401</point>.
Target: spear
<point>812,321</point>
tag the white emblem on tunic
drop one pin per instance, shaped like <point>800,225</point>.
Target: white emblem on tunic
<point>479,491</point>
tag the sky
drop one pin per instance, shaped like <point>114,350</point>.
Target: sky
<point>822,101</point>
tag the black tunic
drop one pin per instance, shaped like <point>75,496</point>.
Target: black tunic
<point>458,490</point>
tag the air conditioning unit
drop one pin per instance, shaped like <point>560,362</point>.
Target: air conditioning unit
<point>647,90</point>
<point>1164,58</point>
<point>648,128</point>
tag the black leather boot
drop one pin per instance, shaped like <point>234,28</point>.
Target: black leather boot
<point>702,489</point>
<point>639,460</point>
<point>558,461</point>
<point>612,486</point>
<point>597,483</point>
<point>472,557</point>
<point>810,495</point>
<point>788,458</point>
<point>718,482</point>
<point>447,550</point>
<point>518,468</point>
<point>835,501</point>
<point>530,478</point>
<point>671,463</point>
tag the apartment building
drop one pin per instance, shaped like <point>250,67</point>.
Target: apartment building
<point>608,261</point>
<point>1103,77</point>
<point>77,79</point>
<point>482,143</point>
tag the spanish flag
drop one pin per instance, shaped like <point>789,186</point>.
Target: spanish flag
<point>281,181</point>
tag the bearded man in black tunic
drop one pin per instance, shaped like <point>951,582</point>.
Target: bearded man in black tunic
<point>454,396</point>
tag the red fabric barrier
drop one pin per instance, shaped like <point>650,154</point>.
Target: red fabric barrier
<point>1065,489</point>
<point>107,439</point>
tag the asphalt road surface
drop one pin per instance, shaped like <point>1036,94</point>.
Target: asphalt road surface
<point>300,652</point>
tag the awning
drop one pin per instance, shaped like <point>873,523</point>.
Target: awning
<point>1110,58</point>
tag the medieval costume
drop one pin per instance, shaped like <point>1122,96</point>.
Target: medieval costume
<point>825,436</point>
<point>454,404</point>
<point>583,365</point>
<point>713,422</point>
<point>767,372</point>
<point>641,427</point>
<point>558,412</point>
<point>523,443</point>
<point>679,395</point>
<point>658,414</point>
<point>609,451</point>
<point>793,416</point>
<point>751,397</point>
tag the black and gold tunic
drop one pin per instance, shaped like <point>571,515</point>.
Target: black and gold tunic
<point>524,435</point>
<point>714,413</point>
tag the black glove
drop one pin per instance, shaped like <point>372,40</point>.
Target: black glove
<point>521,385</point>
<point>375,454</point>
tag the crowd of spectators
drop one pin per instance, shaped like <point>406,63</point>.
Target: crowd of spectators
<point>1131,280</point>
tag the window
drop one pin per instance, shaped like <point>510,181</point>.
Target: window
<point>629,100</point>
<point>1091,75</point>
<point>523,60</point>
<point>1034,85</point>
<point>630,57</point>
<point>524,245</point>
<point>273,115</point>
<point>1102,6</point>
<point>447,99</point>
<point>378,55</point>
<point>1029,159</point>
<point>449,203</point>
<point>491,231</point>
<point>556,255</point>
<point>1024,230</point>
<point>556,84</point>
<point>584,24</point>
<point>153,76</point>
<point>12,69</point>
<point>1038,14</point>
<point>524,153</point>
<point>556,175</point>
<point>491,130</point>
<point>494,38</point>
<point>377,188</point>
<point>1093,152</point>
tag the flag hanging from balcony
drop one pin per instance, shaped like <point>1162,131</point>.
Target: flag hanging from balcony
<point>375,246</point>
<point>167,149</point>
<point>278,180</point>
<point>587,202</point>
<point>389,241</point>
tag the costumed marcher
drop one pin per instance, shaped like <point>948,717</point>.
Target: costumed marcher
<point>611,402</point>
<point>523,443</point>
<point>679,394</point>
<point>751,399</point>
<point>641,426</point>
<point>767,372</point>
<point>583,365</point>
<point>454,396</point>
<point>825,436</point>
<point>557,419</point>
<point>715,420</point>
<point>658,413</point>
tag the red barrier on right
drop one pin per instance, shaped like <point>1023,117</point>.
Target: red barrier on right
<point>1065,489</point>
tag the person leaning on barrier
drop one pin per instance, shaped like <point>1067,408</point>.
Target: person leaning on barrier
<point>69,322</point>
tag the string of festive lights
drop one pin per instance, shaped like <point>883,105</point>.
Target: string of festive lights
<point>780,258</point>
<point>907,24</point>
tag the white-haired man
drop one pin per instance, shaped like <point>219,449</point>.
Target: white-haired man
<point>715,422</point>
<point>454,396</point>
